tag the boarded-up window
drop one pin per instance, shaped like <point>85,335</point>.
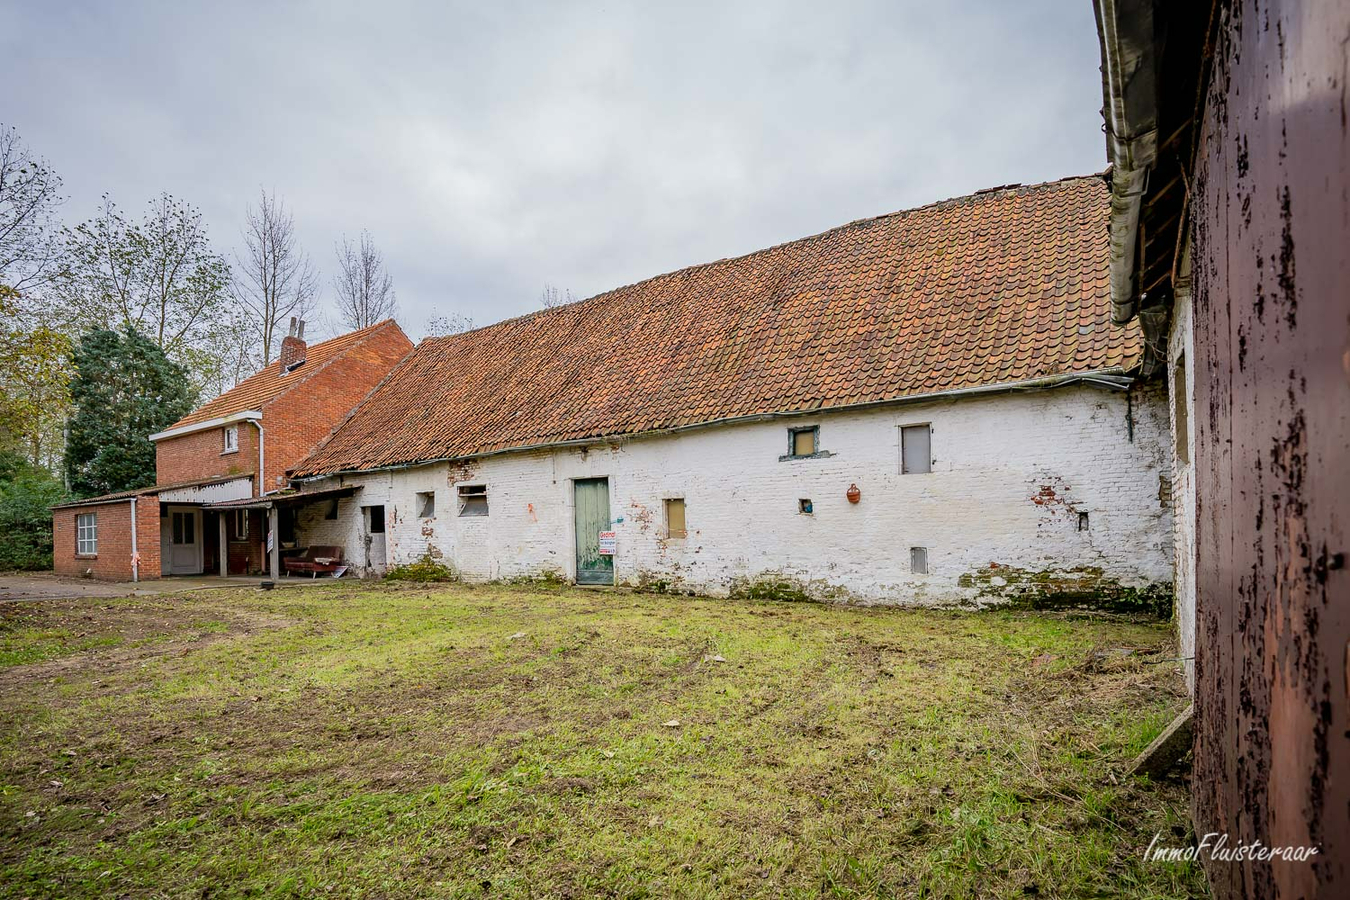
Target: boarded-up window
<point>675,526</point>
<point>803,441</point>
<point>473,500</point>
<point>1181,426</point>
<point>426,504</point>
<point>918,560</point>
<point>916,449</point>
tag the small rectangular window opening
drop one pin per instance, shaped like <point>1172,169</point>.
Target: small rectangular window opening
<point>241,524</point>
<point>804,441</point>
<point>231,439</point>
<point>916,449</point>
<point>918,560</point>
<point>376,515</point>
<point>804,507</point>
<point>86,534</point>
<point>1181,426</point>
<point>1082,521</point>
<point>473,500</point>
<point>426,504</point>
<point>675,526</point>
<point>332,511</point>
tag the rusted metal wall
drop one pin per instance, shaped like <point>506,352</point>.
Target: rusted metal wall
<point>1271,222</point>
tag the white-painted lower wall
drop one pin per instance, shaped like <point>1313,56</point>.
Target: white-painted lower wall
<point>1180,354</point>
<point>999,514</point>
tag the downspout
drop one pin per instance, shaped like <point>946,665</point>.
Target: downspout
<point>262,458</point>
<point>135,556</point>
<point>1125,28</point>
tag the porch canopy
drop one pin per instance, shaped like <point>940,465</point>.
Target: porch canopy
<point>274,502</point>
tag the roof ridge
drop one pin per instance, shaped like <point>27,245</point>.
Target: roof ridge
<point>979,195</point>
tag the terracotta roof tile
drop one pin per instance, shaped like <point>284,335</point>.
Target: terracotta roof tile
<point>268,384</point>
<point>1000,286</point>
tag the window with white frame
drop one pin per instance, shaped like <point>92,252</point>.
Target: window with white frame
<point>231,438</point>
<point>86,534</point>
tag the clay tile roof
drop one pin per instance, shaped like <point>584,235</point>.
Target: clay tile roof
<point>268,384</point>
<point>1001,286</point>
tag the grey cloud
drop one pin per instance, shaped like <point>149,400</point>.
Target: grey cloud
<point>489,148</point>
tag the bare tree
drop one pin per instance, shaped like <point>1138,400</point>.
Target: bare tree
<point>274,278</point>
<point>159,276</point>
<point>365,292</point>
<point>30,192</point>
<point>455,323</point>
<point>552,297</point>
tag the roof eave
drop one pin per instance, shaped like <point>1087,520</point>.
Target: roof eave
<point>1125,30</point>
<point>245,416</point>
<point>1109,378</point>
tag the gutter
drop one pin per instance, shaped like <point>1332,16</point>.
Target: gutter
<point>1125,30</point>
<point>217,422</point>
<point>1112,378</point>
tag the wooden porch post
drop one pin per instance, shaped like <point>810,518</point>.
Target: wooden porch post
<point>223,554</point>
<point>274,554</point>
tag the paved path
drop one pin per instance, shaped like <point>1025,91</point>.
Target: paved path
<point>46,586</point>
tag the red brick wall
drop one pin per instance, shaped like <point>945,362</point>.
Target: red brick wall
<point>300,418</point>
<point>113,560</point>
<point>295,422</point>
<point>197,456</point>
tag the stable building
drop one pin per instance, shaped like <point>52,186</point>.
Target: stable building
<point>930,406</point>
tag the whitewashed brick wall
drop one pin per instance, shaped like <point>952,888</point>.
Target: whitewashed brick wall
<point>1180,348</point>
<point>1011,473</point>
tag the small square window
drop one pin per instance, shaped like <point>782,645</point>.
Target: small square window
<point>473,500</point>
<point>916,449</point>
<point>804,441</point>
<point>231,439</point>
<point>918,560</point>
<point>86,534</point>
<point>804,507</point>
<point>426,504</point>
<point>675,526</point>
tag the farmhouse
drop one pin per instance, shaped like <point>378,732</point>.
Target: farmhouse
<point>930,406</point>
<point>234,447</point>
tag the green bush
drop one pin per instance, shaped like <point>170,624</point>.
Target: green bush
<point>26,493</point>
<point>425,569</point>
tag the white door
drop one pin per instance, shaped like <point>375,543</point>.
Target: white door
<point>185,542</point>
<point>375,546</point>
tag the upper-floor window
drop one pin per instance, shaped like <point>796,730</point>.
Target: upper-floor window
<point>86,534</point>
<point>916,449</point>
<point>231,438</point>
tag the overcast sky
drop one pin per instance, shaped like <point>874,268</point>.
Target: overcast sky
<point>491,147</point>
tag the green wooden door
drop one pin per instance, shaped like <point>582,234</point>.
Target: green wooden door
<point>592,517</point>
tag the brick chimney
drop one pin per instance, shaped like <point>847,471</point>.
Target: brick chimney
<point>293,346</point>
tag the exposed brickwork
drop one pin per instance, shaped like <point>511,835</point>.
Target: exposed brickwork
<point>113,559</point>
<point>292,351</point>
<point>310,404</point>
<point>198,456</point>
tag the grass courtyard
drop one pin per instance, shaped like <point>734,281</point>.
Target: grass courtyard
<point>360,740</point>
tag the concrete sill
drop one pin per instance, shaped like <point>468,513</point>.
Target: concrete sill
<point>86,556</point>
